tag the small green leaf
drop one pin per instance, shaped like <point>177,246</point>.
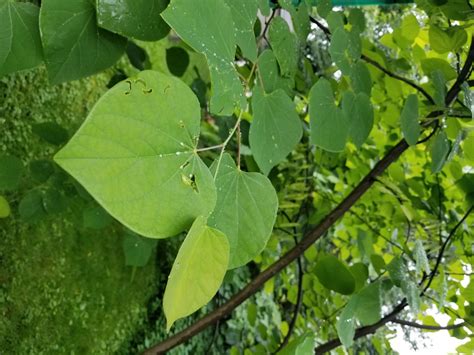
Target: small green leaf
<point>334,275</point>
<point>177,60</point>
<point>359,115</point>
<point>244,14</point>
<point>270,74</point>
<point>275,130</point>
<point>54,201</point>
<point>357,20</point>
<point>31,206</point>
<point>450,40</point>
<point>421,259</point>
<point>346,323</point>
<point>302,345</point>
<point>338,47</point>
<point>439,151</point>
<point>329,125</point>
<point>360,271</point>
<point>245,210</point>
<point>197,271</point>
<point>361,80</point>
<point>139,19</point>
<point>324,8</point>
<point>369,308</point>
<point>20,42</point>
<point>378,263</point>
<point>137,249</point>
<point>137,56</point>
<point>409,120</point>
<point>430,65</point>
<point>11,169</point>
<point>51,132</point>
<point>4,207</point>
<point>96,218</point>
<point>135,151</point>
<point>284,45</point>
<point>209,31</point>
<point>41,170</point>
<point>398,271</point>
<point>410,289</point>
<point>74,46</point>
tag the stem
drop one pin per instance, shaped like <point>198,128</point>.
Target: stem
<point>427,327</point>
<point>219,146</point>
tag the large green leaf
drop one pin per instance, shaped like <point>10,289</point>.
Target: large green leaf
<point>359,115</point>
<point>284,44</point>
<point>139,19</point>
<point>136,155</point>
<point>11,169</point>
<point>409,120</point>
<point>20,42</point>
<point>74,47</point>
<point>276,128</point>
<point>245,210</point>
<point>197,271</point>
<point>369,307</point>
<point>244,14</point>
<point>208,29</point>
<point>334,275</point>
<point>329,125</point>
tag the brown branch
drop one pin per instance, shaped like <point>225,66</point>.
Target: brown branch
<point>311,237</point>
<point>427,327</point>
<point>363,331</point>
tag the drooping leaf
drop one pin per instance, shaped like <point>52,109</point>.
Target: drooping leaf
<point>346,323</point>
<point>334,275</point>
<point>337,49</point>
<point>302,345</point>
<point>409,120</point>
<point>51,132</point>
<point>96,218</point>
<point>270,74</point>
<point>369,307</point>
<point>439,151</point>
<point>275,130</point>
<point>421,259</point>
<point>209,31</point>
<point>329,125</point>
<point>139,19</point>
<point>20,42</point>
<point>177,60</point>
<point>245,210</point>
<point>11,169</point>
<point>197,271</point>
<point>360,271</point>
<point>378,263</point>
<point>74,46</point>
<point>4,207</point>
<point>398,271</point>
<point>137,249</point>
<point>244,14</point>
<point>412,294</point>
<point>359,115</point>
<point>135,154</point>
<point>284,44</point>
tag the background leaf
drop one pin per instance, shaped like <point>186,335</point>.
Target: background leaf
<point>11,169</point>
<point>409,120</point>
<point>334,275</point>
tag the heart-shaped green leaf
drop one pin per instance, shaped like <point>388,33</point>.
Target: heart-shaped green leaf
<point>276,128</point>
<point>197,271</point>
<point>136,154</point>
<point>329,125</point>
<point>209,31</point>
<point>74,46</point>
<point>245,210</point>
<point>139,19</point>
<point>20,42</point>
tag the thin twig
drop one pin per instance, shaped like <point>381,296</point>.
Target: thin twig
<point>425,326</point>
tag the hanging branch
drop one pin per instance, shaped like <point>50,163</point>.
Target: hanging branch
<point>310,238</point>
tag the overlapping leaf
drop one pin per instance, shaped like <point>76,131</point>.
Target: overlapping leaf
<point>245,210</point>
<point>206,26</point>
<point>135,154</point>
<point>20,42</point>
<point>197,271</point>
<point>275,129</point>
<point>74,46</point>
